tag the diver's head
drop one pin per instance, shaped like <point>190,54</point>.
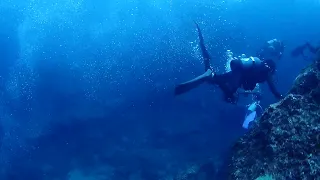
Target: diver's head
<point>277,46</point>
<point>270,42</point>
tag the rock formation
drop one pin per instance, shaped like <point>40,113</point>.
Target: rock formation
<point>285,141</point>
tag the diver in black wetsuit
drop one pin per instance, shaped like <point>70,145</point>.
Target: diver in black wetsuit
<point>245,73</point>
<point>300,50</point>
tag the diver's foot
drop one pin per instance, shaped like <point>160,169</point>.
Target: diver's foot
<point>209,73</point>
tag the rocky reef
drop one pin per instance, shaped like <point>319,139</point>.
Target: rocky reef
<point>285,141</point>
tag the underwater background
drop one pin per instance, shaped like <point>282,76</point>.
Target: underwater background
<point>86,87</point>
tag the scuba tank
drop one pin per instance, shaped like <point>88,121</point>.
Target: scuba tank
<point>249,63</point>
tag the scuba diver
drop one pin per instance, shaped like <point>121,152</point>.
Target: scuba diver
<point>300,50</point>
<point>245,73</point>
<point>251,112</point>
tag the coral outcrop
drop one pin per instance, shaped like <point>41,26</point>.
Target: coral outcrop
<point>285,141</point>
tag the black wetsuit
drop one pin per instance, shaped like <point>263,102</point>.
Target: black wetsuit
<point>241,75</point>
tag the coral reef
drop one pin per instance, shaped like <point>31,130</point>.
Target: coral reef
<point>285,141</point>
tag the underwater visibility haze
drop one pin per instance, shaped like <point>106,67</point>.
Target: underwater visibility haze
<point>87,87</point>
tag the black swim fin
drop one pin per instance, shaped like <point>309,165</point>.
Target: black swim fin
<point>187,86</point>
<point>204,51</point>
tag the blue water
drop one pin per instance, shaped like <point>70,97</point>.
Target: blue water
<point>87,86</point>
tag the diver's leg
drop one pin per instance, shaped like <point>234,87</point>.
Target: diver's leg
<point>205,54</point>
<point>229,83</point>
<point>311,48</point>
<point>187,86</point>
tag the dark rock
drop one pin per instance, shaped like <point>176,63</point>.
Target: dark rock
<point>285,142</point>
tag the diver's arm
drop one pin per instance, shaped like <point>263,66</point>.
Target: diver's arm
<point>273,87</point>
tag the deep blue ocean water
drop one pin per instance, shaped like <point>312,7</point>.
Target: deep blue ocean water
<point>86,87</point>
